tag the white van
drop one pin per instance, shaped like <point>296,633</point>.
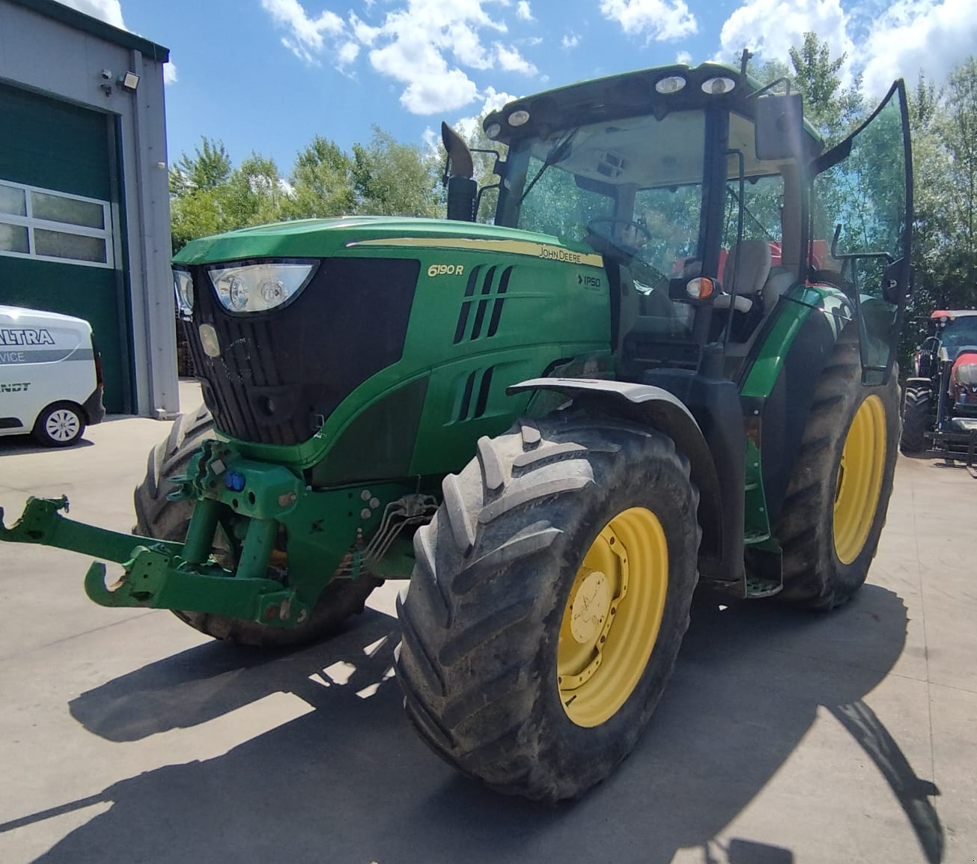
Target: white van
<point>50,376</point>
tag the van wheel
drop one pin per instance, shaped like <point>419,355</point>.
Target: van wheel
<point>60,425</point>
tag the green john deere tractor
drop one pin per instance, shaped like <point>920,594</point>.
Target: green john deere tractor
<point>669,361</point>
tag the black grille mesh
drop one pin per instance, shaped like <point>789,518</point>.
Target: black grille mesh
<point>280,374</point>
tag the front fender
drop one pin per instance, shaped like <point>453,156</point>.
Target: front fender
<point>657,409</point>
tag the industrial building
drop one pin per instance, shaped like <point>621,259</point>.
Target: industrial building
<point>84,197</point>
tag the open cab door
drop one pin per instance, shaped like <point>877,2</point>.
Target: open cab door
<point>861,227</point>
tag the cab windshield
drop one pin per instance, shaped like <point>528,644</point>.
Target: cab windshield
<point>634,186</point>
<point>959,333</point>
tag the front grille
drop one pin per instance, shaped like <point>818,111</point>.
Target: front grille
<point>280,374</point>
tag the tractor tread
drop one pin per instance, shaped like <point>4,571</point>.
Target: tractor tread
<point>492,472</point>
<point>458,518</point>
<point>495,560</point>
<point>813,575</point>
<point>481,632</point>
<point>915,419</point>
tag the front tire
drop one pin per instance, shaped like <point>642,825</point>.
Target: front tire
<point>163,519</point>
<point>915,417</point>
<point>839,489</point>
<point>548,603</point>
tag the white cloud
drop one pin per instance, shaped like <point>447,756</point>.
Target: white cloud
<point>684,57</point>
<point>430,139</point>
<point>169,73</point>
<point>348,52</point>
<point>571,40</point>
<point>109,11</point>
<point>510,60</point>
<point>305,37</point>
<point>363,31</point>
<point>467,47</point>
<point>425,45</point>
<point>655,19</point>
<point>492,100</point>
<point>772,27</point>
<point>433,94</point>
<point>915,34</point>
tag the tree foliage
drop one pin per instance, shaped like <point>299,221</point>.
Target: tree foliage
<point>395,179</point>
<point>322,181</point>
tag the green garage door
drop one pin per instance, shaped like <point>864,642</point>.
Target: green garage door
<point>59,216</point>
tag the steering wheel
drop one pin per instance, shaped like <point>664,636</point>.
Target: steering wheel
<point>628,223</point>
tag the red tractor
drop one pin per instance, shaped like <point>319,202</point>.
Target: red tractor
<point>941,398</point>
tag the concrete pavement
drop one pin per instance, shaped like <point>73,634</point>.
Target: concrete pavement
<point>783,737</point>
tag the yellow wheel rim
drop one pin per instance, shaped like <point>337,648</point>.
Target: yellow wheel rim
<point>859,479</point>
<point>612,617</point>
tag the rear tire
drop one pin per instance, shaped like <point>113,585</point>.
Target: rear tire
<point>503,623</point>
<point>915,417</point>
<point>60,425</point>
<point>158,517</point>
<point>833,515</point>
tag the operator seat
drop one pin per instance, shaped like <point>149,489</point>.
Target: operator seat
<point>741,308</point>
<point>744,273</point>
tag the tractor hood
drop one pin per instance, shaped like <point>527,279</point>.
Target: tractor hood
<point>398,303</point>
<point>322,238</point>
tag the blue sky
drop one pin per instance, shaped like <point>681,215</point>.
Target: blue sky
<point>268,75</point>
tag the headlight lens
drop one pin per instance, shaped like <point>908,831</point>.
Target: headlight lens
<point>183,286</point>
<point>716,86</point>
<point>260,287</point>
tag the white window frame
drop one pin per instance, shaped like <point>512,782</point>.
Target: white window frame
<point>31,223</point>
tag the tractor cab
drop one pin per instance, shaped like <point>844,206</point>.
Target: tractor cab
<point>662,174</point>
<point>709,198</point>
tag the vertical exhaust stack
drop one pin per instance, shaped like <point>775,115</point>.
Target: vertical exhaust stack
<point>462,189</point>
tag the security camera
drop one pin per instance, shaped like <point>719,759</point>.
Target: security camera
<point>107,74</point>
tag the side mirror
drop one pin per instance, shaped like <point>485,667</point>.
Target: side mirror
<point>896,282</point>
<point>779,126</point>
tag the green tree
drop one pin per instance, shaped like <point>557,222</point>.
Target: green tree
<point>395,179</point>
<point>209,168</point>
<point>959,131</point>
<point>322,182</point>
<point>932,190</point>
<point>833,110</point>
<point>209,196</point>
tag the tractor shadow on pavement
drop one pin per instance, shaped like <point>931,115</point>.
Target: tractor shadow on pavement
<point>350,782</point>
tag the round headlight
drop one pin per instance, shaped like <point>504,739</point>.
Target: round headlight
<point>717,86</point>
<point>493,130</point>
<point>272,292</point>
<point>237,293</point>
<point>519,118</point>
<point>671,84</point>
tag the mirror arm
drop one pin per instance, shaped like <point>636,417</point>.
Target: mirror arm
<point>770,86</point>
<point>478,197</point>
<point>846,256</point>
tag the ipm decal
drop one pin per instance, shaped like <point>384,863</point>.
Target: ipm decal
<point>25,336</point>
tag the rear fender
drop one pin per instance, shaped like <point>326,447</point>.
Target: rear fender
<point>657,409</point>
